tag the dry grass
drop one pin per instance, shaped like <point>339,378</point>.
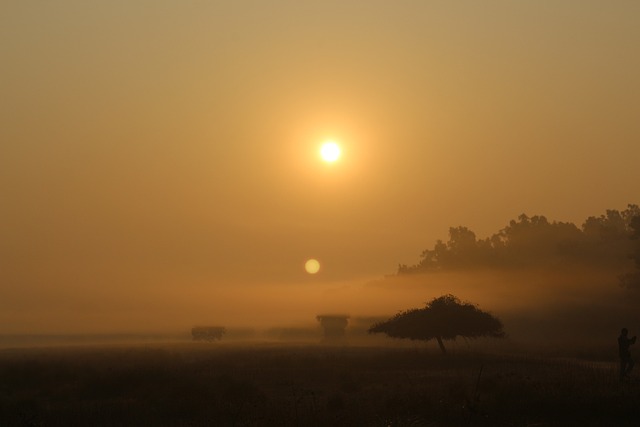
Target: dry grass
<point>305,385</point>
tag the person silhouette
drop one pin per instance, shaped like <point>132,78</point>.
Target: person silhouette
<point>626,362</point>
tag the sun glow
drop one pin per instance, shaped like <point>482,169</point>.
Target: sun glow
<point>330,151</point>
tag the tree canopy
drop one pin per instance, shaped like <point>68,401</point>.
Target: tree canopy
<point>443,318</point>
<point>632,280</point>
<point>536,241</point>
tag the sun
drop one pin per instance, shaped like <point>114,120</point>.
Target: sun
<point>312,266</point>
<point>330,151</point>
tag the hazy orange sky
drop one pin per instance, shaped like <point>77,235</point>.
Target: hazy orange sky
<point>152,146</point>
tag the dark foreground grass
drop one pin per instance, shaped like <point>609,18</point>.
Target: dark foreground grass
<point>221,385</point>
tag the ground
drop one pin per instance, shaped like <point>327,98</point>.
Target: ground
<point>222,384</point>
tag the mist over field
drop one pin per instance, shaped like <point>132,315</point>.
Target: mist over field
<point>553,285</point>
<point>562,307</point>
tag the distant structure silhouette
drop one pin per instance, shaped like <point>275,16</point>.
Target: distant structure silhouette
<point>334,326</point>
<point>626,362</point>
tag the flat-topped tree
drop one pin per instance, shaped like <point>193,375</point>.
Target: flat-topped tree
<point>443,318</point>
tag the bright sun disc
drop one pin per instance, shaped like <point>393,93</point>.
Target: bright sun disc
<point>312,266</point>
<point>330,151</point>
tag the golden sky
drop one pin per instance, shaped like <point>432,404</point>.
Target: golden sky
<point>167,142</point>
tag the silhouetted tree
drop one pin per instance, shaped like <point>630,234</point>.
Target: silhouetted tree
<point>632,280</point>
<point>444,318</point>
<point>535,241</point>
<point>609,235</point>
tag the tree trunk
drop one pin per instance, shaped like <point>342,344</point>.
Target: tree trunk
<point>444,351</point>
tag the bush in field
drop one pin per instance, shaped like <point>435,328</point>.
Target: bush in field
<point>207,333</point>
<point>444,318</point>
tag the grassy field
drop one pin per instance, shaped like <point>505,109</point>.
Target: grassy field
<point>221,384</point>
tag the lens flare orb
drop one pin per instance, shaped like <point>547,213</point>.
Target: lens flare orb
<point>312,266</point>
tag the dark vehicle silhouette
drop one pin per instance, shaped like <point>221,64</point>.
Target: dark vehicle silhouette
<point>207,333</point>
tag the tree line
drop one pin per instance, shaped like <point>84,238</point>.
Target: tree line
<point>611,239</point>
